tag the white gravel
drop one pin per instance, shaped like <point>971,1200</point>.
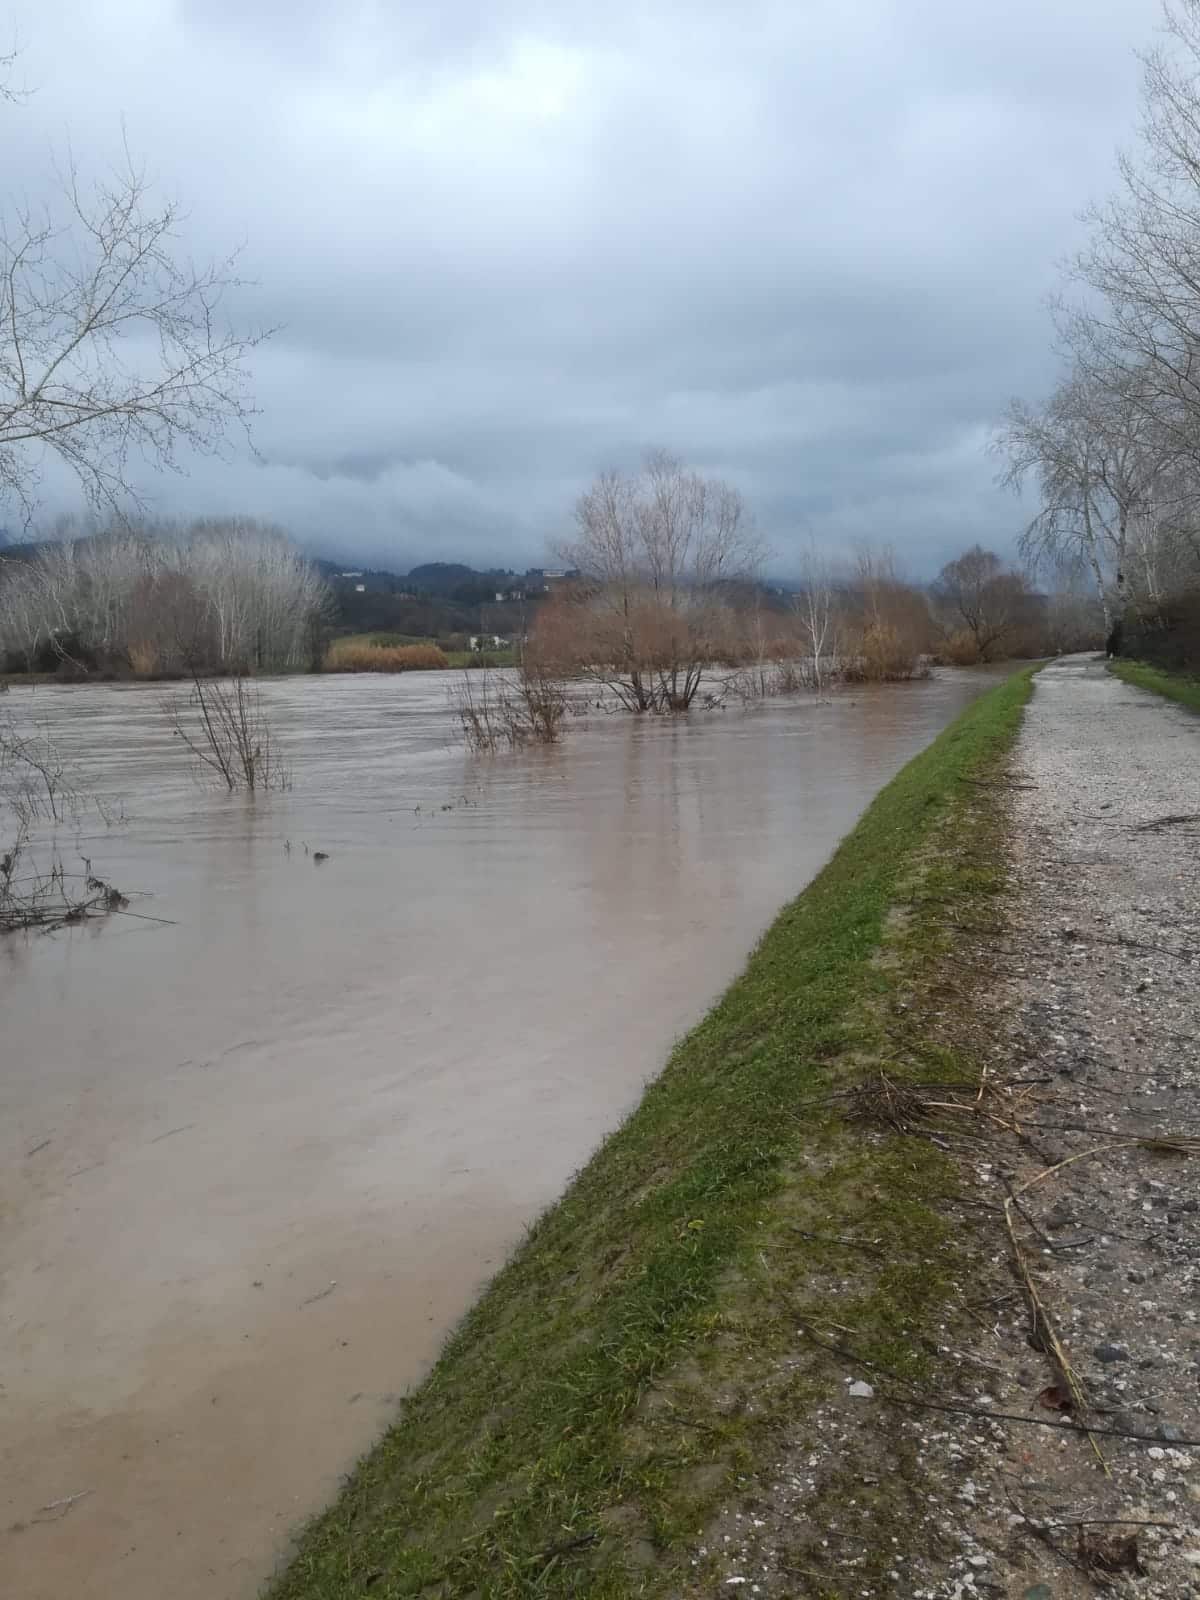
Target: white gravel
<point>1092,999</point>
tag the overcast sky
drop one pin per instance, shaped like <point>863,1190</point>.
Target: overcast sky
<point>804,243</point>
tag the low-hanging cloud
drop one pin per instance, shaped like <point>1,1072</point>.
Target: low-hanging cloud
<point>505,244</point>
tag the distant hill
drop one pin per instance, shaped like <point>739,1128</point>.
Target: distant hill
<point>448,577</point>
<point>440,577</point>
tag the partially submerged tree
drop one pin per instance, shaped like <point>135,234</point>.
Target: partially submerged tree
<point>815,605</point>
<point>224,728</point>
<point>887,626</point>
<point>509,709</point>
<point>656,555</point>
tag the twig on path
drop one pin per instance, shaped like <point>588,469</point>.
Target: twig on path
<point>1171,820</point>
<point>1123,941</point>
<point>1045,1334</point>
<point>183,1128</point>
<point>1044,1532</point>
<point>871,1246</point>
<point>59,1508</point>
<point>321,1294</point>
<point>964,1408</point>
<point>1149,1141</point>
<point>546,1559</point>
<point>989,1413</point>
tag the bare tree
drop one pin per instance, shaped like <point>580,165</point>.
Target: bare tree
<point>8,60</point>
<point>35,783</point>
<point>1100,462</point>
<point>1143,257</point>
<point>656,554</point>
<point>233,595</point>
<point>977,593</point>
<point>111,341</point>
<point>510,709</point>
<point>262,592</point>
<point>815,606</point>
<point>225,729</point>
<point>1115,453</point>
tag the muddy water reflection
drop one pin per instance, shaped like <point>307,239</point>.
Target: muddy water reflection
<point>255,1162</point>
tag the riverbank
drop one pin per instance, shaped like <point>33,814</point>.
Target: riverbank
<point>672,1322</point>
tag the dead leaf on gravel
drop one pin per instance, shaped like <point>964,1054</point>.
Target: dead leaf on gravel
<point>1112,1553</point>
<point>1057,1397</point>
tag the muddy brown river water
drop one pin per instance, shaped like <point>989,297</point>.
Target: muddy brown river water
<point>256,1161</point>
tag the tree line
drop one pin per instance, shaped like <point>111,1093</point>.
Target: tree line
<point>1113,455</point>
<point>668,588</point>
<point>153,600</point>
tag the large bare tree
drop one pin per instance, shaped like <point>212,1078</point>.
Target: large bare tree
<point>978,594</point>
<point>656,554</point>
<point>1143,255</point>
<point>1115,452</point>
<point>1103,468</point>
<point>112,341</point>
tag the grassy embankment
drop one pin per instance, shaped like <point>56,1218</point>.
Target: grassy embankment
<point>640,1358</point>
<point>1174,685</point>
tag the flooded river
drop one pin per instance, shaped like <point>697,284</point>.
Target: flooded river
<point>256,1159</point>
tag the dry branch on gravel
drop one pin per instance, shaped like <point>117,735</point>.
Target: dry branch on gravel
<point>929,1109</point>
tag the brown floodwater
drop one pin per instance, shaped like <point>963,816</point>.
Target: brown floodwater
<point>257,1159</point>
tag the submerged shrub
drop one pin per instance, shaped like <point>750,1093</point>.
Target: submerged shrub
<point>959,649</point>
<point>883,653</point>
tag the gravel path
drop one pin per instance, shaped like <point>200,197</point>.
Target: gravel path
<point>1095,1003</point>
<point>1102,997</point>
<point>1090,1014</point>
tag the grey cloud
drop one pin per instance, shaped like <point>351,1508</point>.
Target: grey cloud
<point>510,243</point>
